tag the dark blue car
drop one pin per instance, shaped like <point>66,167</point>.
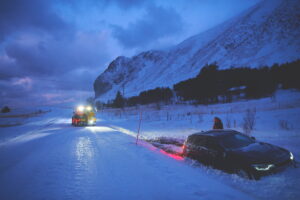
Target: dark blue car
<point>234,152</point>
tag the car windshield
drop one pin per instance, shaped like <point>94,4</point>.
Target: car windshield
<point>235,141</point>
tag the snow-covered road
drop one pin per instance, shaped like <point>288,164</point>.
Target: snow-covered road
<point>47,158</point>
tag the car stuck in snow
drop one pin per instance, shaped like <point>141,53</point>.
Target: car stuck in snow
<point>234,152</point>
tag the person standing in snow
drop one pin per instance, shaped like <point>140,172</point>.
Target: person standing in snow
<point>217,123</point>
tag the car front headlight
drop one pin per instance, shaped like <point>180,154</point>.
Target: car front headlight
<point>291,156</point>
<point>263,167</point>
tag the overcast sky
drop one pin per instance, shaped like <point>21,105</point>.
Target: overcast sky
<point>51,51</point>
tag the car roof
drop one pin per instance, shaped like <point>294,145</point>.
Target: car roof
<point>214,133</point>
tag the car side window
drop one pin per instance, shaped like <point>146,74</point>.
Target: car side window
<point>192,140</point>
<point>197,141</point>
<point>206,142</point>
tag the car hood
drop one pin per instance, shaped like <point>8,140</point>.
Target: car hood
<point>259,152</point>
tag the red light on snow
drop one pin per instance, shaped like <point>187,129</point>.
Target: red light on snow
<point>152,148</point>
<point>174,156</point>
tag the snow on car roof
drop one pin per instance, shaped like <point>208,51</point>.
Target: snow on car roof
<point>216,132</point>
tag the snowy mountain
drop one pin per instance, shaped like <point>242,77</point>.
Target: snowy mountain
<point>265,34</point>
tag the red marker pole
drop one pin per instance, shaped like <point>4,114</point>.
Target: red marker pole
<point>137,136</point>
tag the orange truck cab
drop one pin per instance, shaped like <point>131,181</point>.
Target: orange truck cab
<point>83,116</point>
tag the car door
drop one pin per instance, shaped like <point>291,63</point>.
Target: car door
<point>214,153</point>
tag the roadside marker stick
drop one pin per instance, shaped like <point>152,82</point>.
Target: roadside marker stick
<point>137,136</point>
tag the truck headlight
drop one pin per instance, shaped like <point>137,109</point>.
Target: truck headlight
<point>89,108</point>
<point>263,167</point>
<point>291,156</point>
<point>80,108</point>
<point>91,122</point>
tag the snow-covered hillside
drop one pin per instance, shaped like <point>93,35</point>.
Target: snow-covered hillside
<point>265,34</point>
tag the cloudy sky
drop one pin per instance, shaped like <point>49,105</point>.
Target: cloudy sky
<point>51,51</point>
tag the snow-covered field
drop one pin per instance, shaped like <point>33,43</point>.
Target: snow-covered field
<point>44,157</point>
<point>277,121</point>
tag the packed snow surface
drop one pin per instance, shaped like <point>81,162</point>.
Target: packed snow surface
<point>47,158</point>
<point>44,157</point>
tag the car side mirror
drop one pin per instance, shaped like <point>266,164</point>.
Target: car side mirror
<point>253,138</point>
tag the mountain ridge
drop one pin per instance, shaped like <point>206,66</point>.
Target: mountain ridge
<point>264,34</point>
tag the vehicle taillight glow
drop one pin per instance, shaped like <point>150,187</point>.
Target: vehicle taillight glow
<point>174,156</point>
<point>152,148</point>
<point>183,149</point>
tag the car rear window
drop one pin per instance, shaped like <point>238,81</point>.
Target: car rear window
<point>197,140</point>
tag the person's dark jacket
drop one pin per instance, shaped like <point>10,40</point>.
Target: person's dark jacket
<point>217,123</point>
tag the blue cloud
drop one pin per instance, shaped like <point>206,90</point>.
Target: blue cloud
<point>16,15</point>
<point>158,22</point>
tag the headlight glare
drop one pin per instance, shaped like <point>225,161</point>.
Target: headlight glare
<point>80,108</point>
<point>89,108</point>
<point>91,122</point>
<point>263,167</point>
<point>291,156</point>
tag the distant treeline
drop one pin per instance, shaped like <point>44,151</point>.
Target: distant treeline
<point>161,95</point>
<point>213,85</point>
